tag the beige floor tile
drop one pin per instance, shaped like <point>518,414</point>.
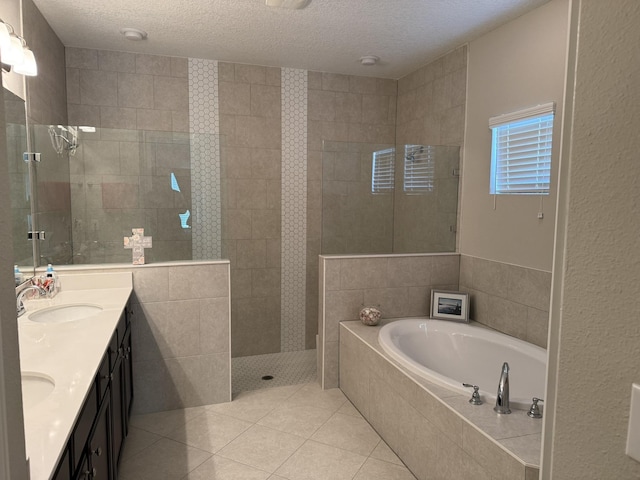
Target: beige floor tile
<point>262,447</point>
<point>349,409</point>
<point>162,423</point>
<point>252,406</point>
<point>164,460</point>
<point>219,468</point>
<point>312,395</point>
<point>378,470</point>
<point>315,461</point>
<point>296,419</point>
<point>136,441</point>
<point>209,432</point>
<point>349,433</point>
<point>384,453</point>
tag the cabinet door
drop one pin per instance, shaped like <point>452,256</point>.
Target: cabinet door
<point>83,473</point>
<point>117,407</point>
<point>64,467</point>
<point>98,448</point>
<point>128,376</point>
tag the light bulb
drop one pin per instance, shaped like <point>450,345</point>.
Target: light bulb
<point>28,67</point>
<point>14,54</point>
<point>5,39</point>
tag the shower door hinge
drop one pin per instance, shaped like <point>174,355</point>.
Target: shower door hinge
<point>31,157</point>
<point>36,235</point>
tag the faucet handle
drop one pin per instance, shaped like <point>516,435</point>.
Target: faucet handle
<point>534,410</point>
<point>475,396</point>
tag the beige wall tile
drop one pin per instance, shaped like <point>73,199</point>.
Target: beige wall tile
<point>348,107</point>
<point>250,74</point>
<point>73,85</point>
<point>226,72</point>
<point>363,85</point>
<point>265,101</point>
<point>265,163</point>
<point>98,88</point>
<point>265,282</point>
<point>179,67</point>
<point>234,98</point>
<point>153,64</point>
<point>260,132</point>
<point>170,93</point>
<point>83,114</point>
<point>81,58</point>
<point>117,117</point>
<point>214,325</point>
<point>314,80</point>
<point>251,253</point>
<point>321,105</point>
<point>153,120</point>
<point>116,61</point>
<point>187,281</point>
<point>265,224</point>
<point>273,76</point>
<point>335,82</point>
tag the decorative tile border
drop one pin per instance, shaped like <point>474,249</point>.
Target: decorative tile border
<point>204,124</point>
<point>294,208</point>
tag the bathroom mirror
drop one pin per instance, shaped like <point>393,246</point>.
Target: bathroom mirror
<point>20,187</point>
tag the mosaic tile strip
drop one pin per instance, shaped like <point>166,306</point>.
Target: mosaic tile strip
<point>294,208</point>
<point>204,124</point>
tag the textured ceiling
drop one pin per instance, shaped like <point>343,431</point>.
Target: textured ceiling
<point>328,35</point>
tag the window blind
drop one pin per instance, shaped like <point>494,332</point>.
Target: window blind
<point>419,168</point>
<point>521,151</point>
<point>383,171</point>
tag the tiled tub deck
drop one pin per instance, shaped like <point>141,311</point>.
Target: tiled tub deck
<point>435,431</point>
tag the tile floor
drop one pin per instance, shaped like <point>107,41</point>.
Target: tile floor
<point>286,368</point>
<point>296,432</point>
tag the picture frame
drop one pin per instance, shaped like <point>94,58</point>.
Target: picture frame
<point>447,305</point>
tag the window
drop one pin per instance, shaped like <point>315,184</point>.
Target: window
<point>521,151</point>
<point>383,170</point>
<point>419,168</point>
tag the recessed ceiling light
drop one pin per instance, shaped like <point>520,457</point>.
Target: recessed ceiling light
<point>291,4</point>
<point>133,34</point>
<point>369,60</point>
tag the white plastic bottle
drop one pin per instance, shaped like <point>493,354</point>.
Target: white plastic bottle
<point>17,275</point>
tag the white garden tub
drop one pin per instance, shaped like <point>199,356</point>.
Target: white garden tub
<point>450,354</point>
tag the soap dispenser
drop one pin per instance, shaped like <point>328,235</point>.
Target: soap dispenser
<point>51,280</point>
<point>17,274</point>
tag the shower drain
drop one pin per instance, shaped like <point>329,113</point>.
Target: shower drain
<point>267,377</point>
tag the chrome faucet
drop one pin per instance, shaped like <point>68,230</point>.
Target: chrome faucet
<point>502,399</point>
<point>19,305</point>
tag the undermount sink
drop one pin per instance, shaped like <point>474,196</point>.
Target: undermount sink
<point>65,313</point>
<point>35,388</point>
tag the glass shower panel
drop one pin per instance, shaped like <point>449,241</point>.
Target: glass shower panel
<point>52,194</point>
<point>19,179</point>
<point>389,198</point>
<point>426,198</point>
<point>357,215</point>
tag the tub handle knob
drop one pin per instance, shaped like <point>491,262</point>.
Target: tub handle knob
<point>534,410</point>
<point>475,396</point>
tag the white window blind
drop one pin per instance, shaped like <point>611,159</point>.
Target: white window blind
<point>383,171</point>
<point>419,168</point>
<point>521,151</point>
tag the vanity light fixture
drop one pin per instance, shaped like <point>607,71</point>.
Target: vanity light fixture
<point>15,52</point>
<point>134,34</point>
<point>290,4</point>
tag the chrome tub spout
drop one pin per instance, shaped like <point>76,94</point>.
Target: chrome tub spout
<point>502,399</point>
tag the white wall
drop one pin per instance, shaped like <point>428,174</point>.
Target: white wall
<point>518,65</point>
<point>595,324</point>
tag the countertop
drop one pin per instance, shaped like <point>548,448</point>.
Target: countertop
<point>70,354</point>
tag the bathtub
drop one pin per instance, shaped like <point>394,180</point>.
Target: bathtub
<point>449,354</point>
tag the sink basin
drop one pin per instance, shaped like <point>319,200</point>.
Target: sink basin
<point>64,313</point>
<point>35,388</point>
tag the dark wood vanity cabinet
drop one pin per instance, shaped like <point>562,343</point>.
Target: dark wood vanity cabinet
<point>94,448</point>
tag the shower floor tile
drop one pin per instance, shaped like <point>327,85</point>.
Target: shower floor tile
<point>286,368</point>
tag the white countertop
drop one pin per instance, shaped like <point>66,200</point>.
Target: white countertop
<point>70,354</point>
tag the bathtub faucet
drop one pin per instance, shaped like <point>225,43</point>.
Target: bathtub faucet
<point>502,399</point>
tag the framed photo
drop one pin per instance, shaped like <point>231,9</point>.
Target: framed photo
<point>450,305</point>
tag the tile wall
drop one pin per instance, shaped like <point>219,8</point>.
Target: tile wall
<point>431,111</point>
<point>400,285</point>
<point>510,298</point>
<point>250,124</point>
<point>342,108</point>
<point>180,333</point>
